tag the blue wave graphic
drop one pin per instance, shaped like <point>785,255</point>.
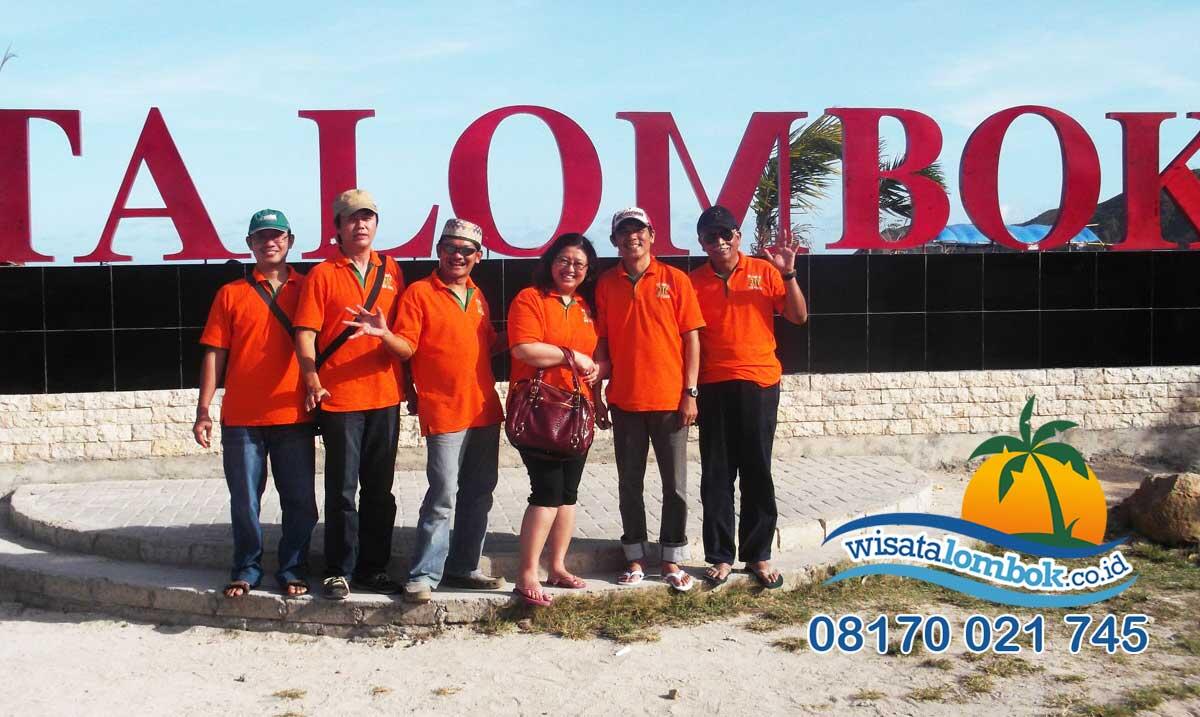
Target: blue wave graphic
<point>983,591</point>
<point>973,530</point>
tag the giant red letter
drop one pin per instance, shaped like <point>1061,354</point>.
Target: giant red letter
<point>16,236</point>
<point>581,175</point>
<point>861,175</point>
<point>180,199</point>
<point>1144,183</point>
<point>978,177</point>
<point>655,132</point>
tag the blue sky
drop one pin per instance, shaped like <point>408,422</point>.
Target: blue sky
<point>230,78</point>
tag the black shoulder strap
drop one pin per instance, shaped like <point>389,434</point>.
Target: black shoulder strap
<point>376,286</point>
<point>275,308</point>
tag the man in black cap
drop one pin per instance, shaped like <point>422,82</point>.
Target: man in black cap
<point>739,390</point>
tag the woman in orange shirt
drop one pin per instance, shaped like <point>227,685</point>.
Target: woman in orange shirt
<point>555,312</point>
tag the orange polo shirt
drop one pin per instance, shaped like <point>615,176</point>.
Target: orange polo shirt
<point>451,363</point>
<point>534,316</point>
<point>644,323</point>
<point>738,340</point>
<point>262,378</point>
<point>361,375</point>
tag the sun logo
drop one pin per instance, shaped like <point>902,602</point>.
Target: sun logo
<point>663,290</point>
<point>1036,487</point>
<point>754,282</point>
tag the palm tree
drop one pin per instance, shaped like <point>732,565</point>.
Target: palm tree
<point>1035,447</point>
<point>815,150</point>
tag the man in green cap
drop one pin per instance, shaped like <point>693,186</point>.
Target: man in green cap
<point>248,339</point>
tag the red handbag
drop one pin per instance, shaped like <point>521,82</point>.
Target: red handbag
<point>548,420</point>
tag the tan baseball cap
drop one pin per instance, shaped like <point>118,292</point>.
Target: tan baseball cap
<point>352,200</point>
<point>635,213</point>
<point>463,229</point>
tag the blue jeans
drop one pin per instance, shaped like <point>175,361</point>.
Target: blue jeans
<point>293,464</point>
<point>463,464</point>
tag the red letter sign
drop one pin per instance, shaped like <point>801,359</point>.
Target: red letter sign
<point>978,177</point>
<point>16,237</point>
<point>469,175</point>
<point>181,201</point>
<point>1144,183</point>
<point>861,177</point>
<point>655,132</point>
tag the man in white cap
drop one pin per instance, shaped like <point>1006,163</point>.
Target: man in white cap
<point>648,323</point>
<point>443,328</point>
<point>358,387</point>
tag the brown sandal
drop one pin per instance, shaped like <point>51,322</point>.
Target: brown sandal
<point>237,585</point>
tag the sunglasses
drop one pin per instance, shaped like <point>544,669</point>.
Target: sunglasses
<point>463,251</point>
<point>712,237</point>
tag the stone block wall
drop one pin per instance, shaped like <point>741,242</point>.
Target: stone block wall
<point>147,424</point>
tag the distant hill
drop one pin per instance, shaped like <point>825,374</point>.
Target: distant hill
<point>1110,220</point>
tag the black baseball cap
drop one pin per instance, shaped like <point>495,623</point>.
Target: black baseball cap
<point>716,217</point>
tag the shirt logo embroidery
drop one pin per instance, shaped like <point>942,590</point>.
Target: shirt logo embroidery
<point>389,282</point>
<point>663,290</point>
<point>479,307</point>
<point>754,281</point>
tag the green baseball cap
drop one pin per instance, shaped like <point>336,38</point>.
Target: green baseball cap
<point>269,219</point>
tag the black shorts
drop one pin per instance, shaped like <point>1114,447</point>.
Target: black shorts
<point>553,482</point>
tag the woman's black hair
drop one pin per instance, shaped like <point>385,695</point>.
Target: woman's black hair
<point>544,281</point>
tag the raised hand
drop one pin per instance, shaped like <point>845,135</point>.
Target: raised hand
<point>367,323</point>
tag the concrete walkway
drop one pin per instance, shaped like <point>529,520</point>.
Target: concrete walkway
<point>158,549</point>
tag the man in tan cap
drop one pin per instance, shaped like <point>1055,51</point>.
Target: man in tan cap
<point>443,328</point>
<point>358,386</point>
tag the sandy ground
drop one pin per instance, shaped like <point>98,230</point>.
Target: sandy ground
<point>72,664</point>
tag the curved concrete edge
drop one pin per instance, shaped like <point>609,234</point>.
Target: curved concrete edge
<point>68,535</point>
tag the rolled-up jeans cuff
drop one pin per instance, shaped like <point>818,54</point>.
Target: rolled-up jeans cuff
<point>675,553</point>
<point>634,551</point>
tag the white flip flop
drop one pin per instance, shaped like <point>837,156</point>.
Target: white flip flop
<point>675,580</point>
<point>629,578</point>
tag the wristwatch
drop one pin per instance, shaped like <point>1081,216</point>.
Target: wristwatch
<point>692,391</point>
<point>789,275</point>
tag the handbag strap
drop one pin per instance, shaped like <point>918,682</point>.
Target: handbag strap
<point>569,355</point>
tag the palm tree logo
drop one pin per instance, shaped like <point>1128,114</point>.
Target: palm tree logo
<point>1064,477</point>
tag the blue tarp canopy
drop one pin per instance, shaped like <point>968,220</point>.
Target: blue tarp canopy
<point>967,234</point>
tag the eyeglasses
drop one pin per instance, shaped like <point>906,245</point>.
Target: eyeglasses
<point>463,251</point>
<point>260,238</point>
<point>712,236</point>
<point>563,263</point>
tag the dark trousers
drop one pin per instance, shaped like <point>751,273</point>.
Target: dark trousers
<point>633,434</point>
<point>737,433</point>
<point>553,482</point>
<point>360,450</point>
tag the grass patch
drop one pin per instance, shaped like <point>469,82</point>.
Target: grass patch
<point>447,691</point>
<point>977,684</point>
<point>791,644</point>
<point>1140,699</point>
<point>928,694</point>
<point>1188,644</point>
<point>867,695</point>
<point>1004,666</point>
<point>1069,679</point>
<point>937,663</point>
<point>290,694</point>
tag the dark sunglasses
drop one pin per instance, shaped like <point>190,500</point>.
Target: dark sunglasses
<point>463,251</point>
<point>712,237</point>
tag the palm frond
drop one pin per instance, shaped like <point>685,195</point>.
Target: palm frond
<point>1063,453</point>
<point>814,152</point>
<point>1046,432</point>
<point>894,197</point>
<point>8,55</point>
<point>999,444</point>
<point>1015,465</point>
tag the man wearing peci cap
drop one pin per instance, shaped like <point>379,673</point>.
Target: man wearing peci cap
<point>248,341</point>
<point>647,322</point>
<point>739,391</point>
<point>357,387</point>
<point>443,328</point>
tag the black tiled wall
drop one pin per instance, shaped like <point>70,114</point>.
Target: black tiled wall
<point>67,329</point>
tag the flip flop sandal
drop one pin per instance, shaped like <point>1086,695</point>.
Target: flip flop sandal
<point>629,578</point>
<point>676,581</point>
<point>571,582</point>
<point>242,585</point>
<point>295,583</point>
<point>531,596</point>
<point>765,583</point>
<point>715,581</point>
